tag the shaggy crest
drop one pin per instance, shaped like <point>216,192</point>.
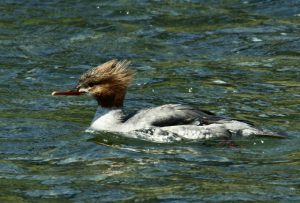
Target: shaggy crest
<point>112,71</point>
<point>107,82</point>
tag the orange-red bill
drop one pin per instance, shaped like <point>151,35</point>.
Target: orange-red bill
<point>66,93</point>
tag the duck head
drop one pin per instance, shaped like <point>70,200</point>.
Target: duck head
<point>107,83</point>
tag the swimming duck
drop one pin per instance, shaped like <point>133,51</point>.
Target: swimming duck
<point>108,84</point>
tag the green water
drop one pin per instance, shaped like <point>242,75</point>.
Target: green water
<point>235,58</point>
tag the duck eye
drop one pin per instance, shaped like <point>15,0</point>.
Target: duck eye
<point>89,85</point>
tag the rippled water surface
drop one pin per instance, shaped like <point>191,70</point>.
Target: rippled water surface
<point>235,58</point>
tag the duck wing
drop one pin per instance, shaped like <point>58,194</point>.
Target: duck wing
<point>173,114</point>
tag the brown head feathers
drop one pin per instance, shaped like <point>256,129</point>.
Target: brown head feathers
<point>107,82</point>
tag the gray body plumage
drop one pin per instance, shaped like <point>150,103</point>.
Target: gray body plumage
<point>173,122</point>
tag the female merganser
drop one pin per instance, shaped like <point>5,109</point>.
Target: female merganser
<point>108,84</point>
